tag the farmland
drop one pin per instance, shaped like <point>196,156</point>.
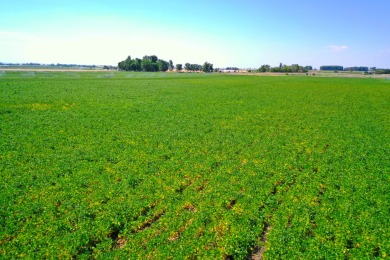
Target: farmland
<point>160,165</point>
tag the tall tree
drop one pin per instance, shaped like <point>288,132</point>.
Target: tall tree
<point>162,65</point>
<point>154,58</point>
<point>121,65</point>
<point>207,67</point>
<point>171,65</point>
<point>138,64</point>
<point>179,67</point>
<point>265,68</point>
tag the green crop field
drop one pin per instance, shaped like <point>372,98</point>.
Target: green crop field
<point>193,166</point>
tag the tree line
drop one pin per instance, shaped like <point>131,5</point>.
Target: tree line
<point>332,67</point>
<point>285,68</point>
<point>381,71</point>
<point>356,69</point>
<point>154,64</point>
<point>370,70</point>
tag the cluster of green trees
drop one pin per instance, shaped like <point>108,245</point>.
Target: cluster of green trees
<point>206,67</point>
<point>382,71</point>
<point>153,64</point>
<point>192,67</point>
<point>284,68</point>
<point>367,70</point>
<point>232,68</point>
<point>356,69</point>
<point>148,63</point>
<point>332,67</point>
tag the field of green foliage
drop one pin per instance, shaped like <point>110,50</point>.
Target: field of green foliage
<point>185,166</point>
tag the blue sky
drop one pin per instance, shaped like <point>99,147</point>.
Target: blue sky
<point>244,33</point>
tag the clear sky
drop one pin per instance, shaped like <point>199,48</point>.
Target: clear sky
<point>245,33</point>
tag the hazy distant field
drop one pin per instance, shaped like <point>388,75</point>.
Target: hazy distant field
<point>159,165</point>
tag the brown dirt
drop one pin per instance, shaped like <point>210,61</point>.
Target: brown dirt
<point>258,252</point>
